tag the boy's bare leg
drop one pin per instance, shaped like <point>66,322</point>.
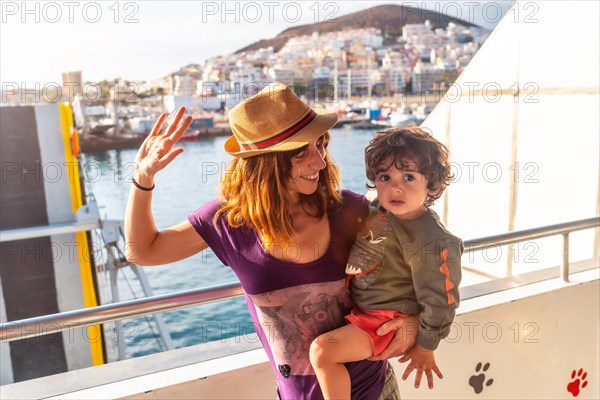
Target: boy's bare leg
<point>330,351</point>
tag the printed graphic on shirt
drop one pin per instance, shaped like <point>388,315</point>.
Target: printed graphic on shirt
<point>293,317</point>
<point>364,264</point>
<point>444,270</point>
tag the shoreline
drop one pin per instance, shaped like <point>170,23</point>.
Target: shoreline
<point>100,143</point>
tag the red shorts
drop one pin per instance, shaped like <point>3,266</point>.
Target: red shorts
<point>369,320</point>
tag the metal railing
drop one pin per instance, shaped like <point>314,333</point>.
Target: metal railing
<point>48,230</point>
<point>86,219</point>
<point>43,325</point>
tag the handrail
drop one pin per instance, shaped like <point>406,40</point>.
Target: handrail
<point>535,233</point>
<point>48,230</point>
<point>43,325</point>
<point>87,218</point>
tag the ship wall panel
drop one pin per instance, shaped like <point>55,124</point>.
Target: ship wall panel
<point>6,375</point>
<point>26,273</point>
<point>57,180</point>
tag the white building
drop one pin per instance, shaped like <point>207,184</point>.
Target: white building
<point>284,75</point>
<point>409,31</point>
<point>321,73</point>
<point>427,77</point>
<point>184,84</point>
<point>395,78</point>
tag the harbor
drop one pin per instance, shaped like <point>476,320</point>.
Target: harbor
<point>100,143</point>
<point>129,129</point>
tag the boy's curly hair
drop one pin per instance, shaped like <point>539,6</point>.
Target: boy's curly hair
<point>397,146</point>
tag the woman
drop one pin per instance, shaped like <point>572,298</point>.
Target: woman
<point>283,226</point>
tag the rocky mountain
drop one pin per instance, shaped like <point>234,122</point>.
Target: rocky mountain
<point>389,18</point>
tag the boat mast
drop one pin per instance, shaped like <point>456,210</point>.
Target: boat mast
<point>349,84</point>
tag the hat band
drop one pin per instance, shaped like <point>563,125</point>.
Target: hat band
<point>273,140</point>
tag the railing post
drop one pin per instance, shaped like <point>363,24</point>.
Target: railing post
<point>564,264</point>
<point>509,261</point>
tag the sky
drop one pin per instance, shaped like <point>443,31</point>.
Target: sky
<point>146,40</point>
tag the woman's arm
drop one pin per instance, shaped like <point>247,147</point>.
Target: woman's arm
<point>169,245</point>
<point>145,245</point>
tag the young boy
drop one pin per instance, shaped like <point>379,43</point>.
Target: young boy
<point>404,262</point>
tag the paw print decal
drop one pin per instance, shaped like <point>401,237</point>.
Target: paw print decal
<point>578,382</point>
<point>477,381</point>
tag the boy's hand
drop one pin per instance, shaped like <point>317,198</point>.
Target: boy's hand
<point>422,360</point>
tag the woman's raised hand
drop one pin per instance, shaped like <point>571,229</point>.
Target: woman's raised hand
<point>157,151</point>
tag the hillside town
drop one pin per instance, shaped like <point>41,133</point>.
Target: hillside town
<point>333,66</point>
<point>364,74</point>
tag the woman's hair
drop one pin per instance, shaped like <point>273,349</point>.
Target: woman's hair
<point>254,194</point>
<point>398,146</point>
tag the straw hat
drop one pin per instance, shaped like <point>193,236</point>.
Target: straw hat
<point>275,119</point>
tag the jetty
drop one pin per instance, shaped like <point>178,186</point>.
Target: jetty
<point>92,143</point>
